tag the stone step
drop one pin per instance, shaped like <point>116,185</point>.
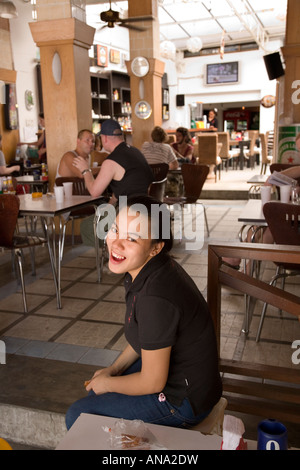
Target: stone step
<point>30,427</point>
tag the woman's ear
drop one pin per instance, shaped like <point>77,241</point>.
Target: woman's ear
<point>157,247</point>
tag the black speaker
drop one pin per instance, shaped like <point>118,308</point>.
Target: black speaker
<point>273,65</point>
<point>179,100</point>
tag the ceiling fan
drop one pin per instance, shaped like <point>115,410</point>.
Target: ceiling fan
<point>112,18</point>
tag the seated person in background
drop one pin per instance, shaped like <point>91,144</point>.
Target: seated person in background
<point>41,153</point>
<point>168,373</point>
<point>158,151</point>
<point>4,170</point>
<point>183,147</point>
<point>212,120</point>
<point>98,155</point>
<point>85,145</point>
<point>125,170</point>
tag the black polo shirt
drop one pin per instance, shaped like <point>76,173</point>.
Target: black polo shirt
<point>138,174</point>
<point>165,308</point>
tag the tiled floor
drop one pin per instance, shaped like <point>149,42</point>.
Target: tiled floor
<point>88,330</point>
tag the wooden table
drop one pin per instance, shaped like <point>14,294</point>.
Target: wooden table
<point>48,209</point>
<point>241,144</point>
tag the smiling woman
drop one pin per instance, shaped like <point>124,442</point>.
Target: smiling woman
<point>168,374</point>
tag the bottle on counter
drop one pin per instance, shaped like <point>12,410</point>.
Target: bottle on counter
<point>4,185</point>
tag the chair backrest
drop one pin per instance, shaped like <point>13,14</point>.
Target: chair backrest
<point>159,170</point>
<point>284,223</point>
<point>223,138</point>
<point>79,188</point>
<point>9,210</point>
<point>280,166</point>
<point>253,136</point>
<point>157,189</point>
<point>194,177</point>
<point>270,142</point>
<point>264,150</point>
<point>207,148</point>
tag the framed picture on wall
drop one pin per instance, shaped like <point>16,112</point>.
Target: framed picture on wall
<point>115,56</point>
<point>102,56</point>
<point>11,107</point>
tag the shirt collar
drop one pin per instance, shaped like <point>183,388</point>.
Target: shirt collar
<point>152,265</point>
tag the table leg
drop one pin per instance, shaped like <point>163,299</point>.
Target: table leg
<point>55,260</point>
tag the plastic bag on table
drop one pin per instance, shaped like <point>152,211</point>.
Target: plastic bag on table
<point>132,435</point>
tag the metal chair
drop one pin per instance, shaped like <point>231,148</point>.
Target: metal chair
<point>194,177</point>
<point>9,210</point>
<point>157,189</point>
<point>284,223</point>
<point>159,170</point>
<point>79,189</point>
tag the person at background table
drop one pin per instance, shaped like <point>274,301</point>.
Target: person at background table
<point>158,151</point>
<point>183,147</point>
<point>168,373</point>
<point>40,143</point>
<point>212,121</point>
<point>125,171</point>
<point>4,170</point>
<point>84,146</point>
<point>98,155</point>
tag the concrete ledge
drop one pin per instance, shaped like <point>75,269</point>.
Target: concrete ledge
<point>31,427</point>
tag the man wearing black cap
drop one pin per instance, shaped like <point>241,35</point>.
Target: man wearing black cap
<point>125,170</point>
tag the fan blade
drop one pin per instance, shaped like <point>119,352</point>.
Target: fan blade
<point>138,18</point>
<point>130,26</point>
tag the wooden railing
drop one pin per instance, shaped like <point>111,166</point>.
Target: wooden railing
<point>257,397</point>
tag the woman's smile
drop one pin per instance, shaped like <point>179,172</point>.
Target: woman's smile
<point>116,258</point>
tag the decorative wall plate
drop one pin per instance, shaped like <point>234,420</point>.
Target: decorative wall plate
<point>143,110</point>
<point>29,101</point>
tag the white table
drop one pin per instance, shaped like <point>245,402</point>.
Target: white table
<point>87,433</point>
<point>252,213</point>
<point>47,209</point>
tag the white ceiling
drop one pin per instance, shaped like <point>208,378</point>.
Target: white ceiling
<point>241,20</point>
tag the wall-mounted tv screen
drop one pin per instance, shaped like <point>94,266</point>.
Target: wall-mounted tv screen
<point>223,73</point>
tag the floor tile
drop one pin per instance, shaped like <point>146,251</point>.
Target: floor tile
<point>90,334</point>
<point>39,328</point>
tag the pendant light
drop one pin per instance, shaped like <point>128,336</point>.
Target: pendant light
<point>8,10</point>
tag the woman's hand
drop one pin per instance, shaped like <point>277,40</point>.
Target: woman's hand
<point>80,163</point>
<point>98,382</point>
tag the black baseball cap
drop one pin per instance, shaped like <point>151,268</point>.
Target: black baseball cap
<point>110,127</point>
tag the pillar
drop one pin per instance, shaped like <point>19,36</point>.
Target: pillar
<point>291,53</point>
<point>10,138</point>
<point>64,42</point>
<point>148,88</point>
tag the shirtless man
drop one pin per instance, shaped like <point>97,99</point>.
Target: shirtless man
<point>85,145</point>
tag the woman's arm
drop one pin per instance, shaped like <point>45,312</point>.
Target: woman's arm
<point>5,170</point>
<point>151,379</point>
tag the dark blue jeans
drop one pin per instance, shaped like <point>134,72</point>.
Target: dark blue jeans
<point>147,408</point>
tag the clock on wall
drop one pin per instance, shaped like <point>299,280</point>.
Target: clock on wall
<point>140,66</point>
